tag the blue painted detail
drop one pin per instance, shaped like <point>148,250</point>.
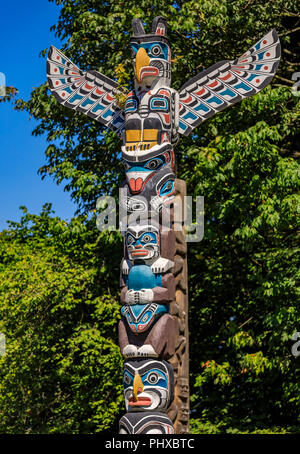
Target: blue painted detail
<point>141,276</point>
<point>167,188</point>
<point>97,108</point>
<point>202,107</point>
<point>162,379</point>
<point>227,92</point>
<point>127,379</point>
<point>243,86</point>
<point>251,77</point>
<point>146,238</point>
<point>108,113</point>
<point>68,90</point>
<point>214,99</point>
<point>136,168</point>
<point>261,55</point>
<point>75,97</point>
<point>130,105</point>
<point>87,102</point>
<point>141,316</point>
<point>182,126</point>
<point>160,108</point>
<point>149,47</point>
<point>190,115</point>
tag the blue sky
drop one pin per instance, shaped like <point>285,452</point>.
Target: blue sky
<point>23,34</point>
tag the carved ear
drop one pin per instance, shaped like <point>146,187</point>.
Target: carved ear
<point>159,26</point>
<point>138,28</point>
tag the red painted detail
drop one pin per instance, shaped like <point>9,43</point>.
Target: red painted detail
<point>167,118</point>
<point>268,54</point>
<point>189,99</point>
<point>257,81</point>
<point>110,98</point>
<point>213,84</point>
<point>63,94</point>
<point>135,185</point>
<point>148,71</point>
<point>57,58</point>
<point>240,67</point>
<point>225,77</point>
<point>266,67</point>
<point>265,41</point>
<point>144,401</point>
<point>99,92</point>
<point>200,92</point>
<point>57,82</point>
<point>164,92</point>
<point>55,70</point>
<point>166,155</point>
<point>239,72</point>
<point>89,87</point>
<point>243,61</point>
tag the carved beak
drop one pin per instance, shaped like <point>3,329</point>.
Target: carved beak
<point>141,60</point>
<point>137,387</point>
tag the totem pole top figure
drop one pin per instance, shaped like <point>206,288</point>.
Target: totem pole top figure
<point>155,114</point>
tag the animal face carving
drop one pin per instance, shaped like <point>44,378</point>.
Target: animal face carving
<point>142,167</point>
<point>151,54</point>
<point>148,385</point>
<point>142,242</point>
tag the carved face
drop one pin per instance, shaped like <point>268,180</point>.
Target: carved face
<point>145,423</point>
<point>140,169</point>
<point>151,54</point>
<point>141,316</point>
<point>183,384</point>
<point>148,385</point>
<point>142,242</point>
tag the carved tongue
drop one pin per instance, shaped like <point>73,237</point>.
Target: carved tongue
<point>135,185</point>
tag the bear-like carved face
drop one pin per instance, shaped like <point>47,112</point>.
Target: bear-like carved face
<point>142,242</point>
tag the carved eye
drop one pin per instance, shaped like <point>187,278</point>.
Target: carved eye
<point>130,240</point>
<point>127,378</point>
<point>153,378</point>
<point>156,50</point>
<point>146,238</point>
<point>145,318</point>
<point>126,165</point>
<point>153,164</point>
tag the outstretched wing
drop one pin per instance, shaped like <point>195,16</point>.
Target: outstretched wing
<point>228,82</point>
<point>89,92</point>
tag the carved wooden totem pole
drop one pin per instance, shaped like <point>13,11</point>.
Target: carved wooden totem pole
<point>153,330</point>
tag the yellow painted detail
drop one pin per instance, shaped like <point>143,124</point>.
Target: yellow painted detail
<point>133,135</point>
<point>137,386</point>
<point>141,60</point>
<point>150,135</point>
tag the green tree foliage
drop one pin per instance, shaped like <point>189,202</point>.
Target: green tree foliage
<point>59,282</point>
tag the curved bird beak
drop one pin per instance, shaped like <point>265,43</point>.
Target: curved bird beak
<point>142,59</point>
<point>137,387</point>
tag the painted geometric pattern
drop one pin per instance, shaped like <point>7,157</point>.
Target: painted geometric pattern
<point>228,82</point>
<point>89,92</point>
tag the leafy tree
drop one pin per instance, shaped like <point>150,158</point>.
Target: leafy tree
<point>60,289</point>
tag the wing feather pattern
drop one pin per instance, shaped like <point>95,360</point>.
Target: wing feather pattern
<point>89,92</point>
<point>228,82</point>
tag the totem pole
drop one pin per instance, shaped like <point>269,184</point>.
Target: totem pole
<point>153,330</point>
